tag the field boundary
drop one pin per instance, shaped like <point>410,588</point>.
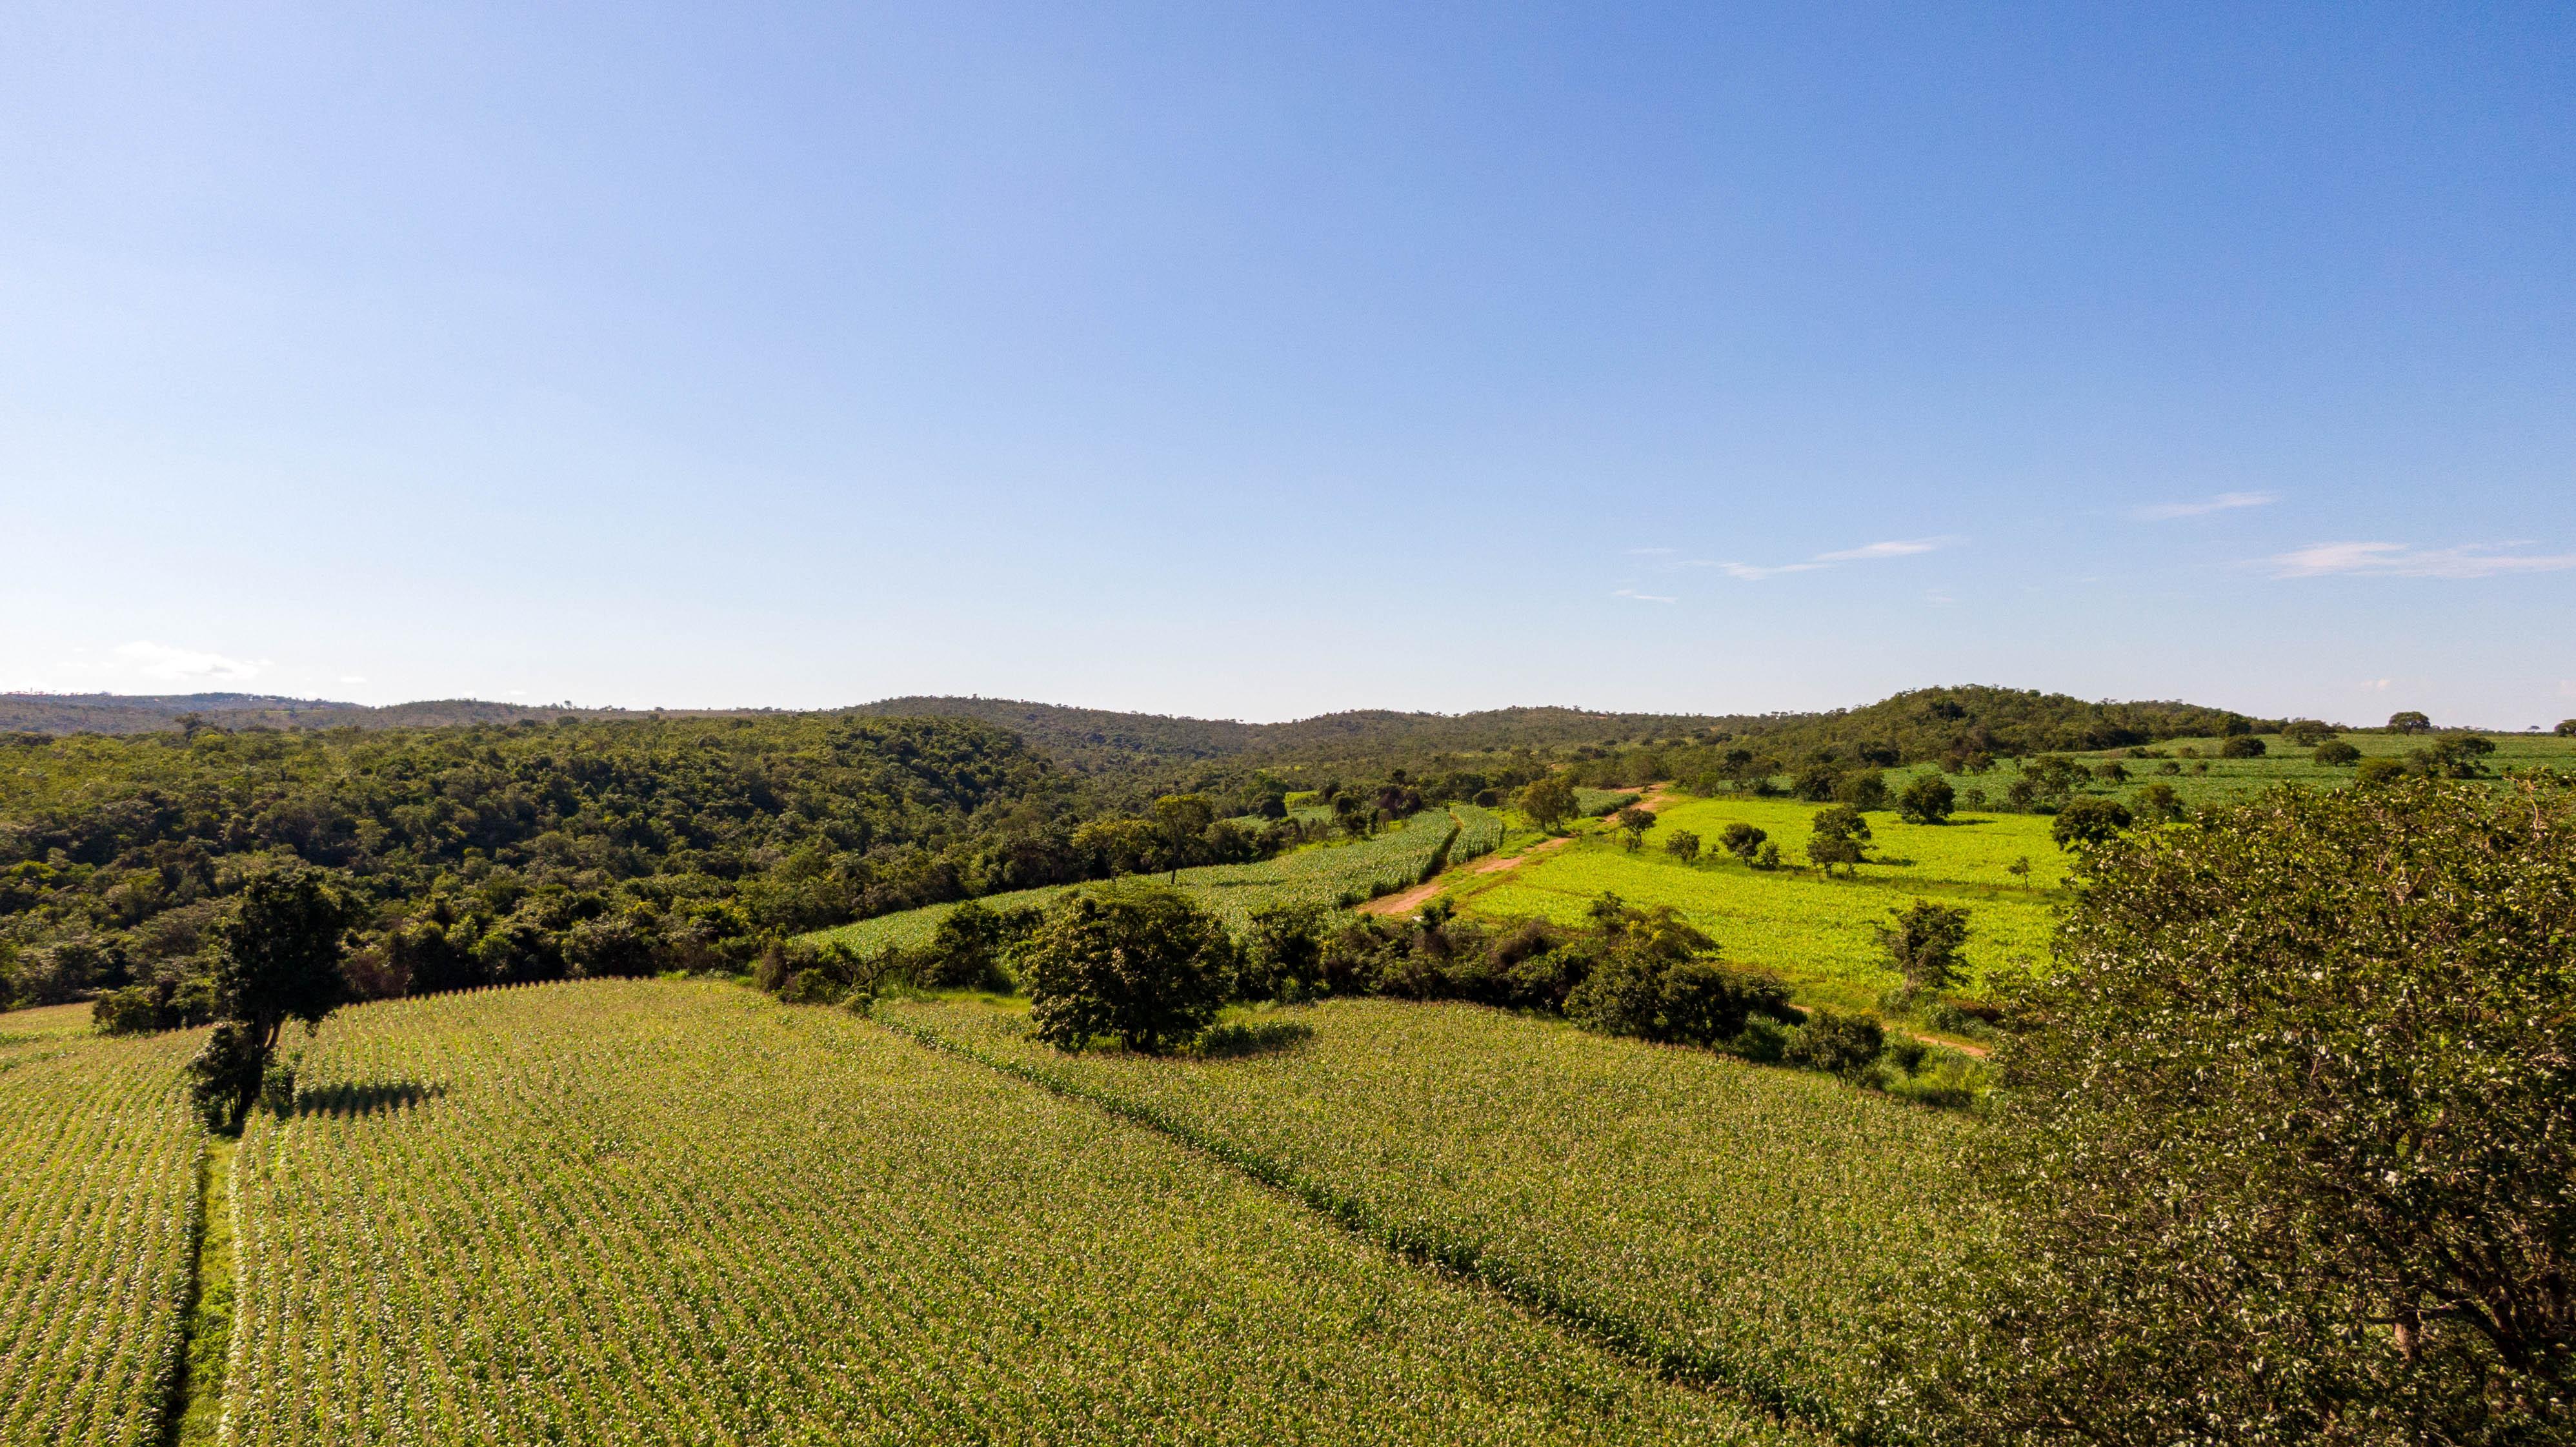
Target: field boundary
<point>1445,1252</point>
<point>194,1411</point>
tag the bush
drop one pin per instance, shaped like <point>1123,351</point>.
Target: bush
<point>1144,966</point>
<point>1838,1044</point>
<point>1924,945</point>
<point>1742,840</point>
<point>2089,823</point>
<point>2306,733</point>
<point>2284,1146</point>
<point>2243,746</point>
<point>2159,804</point>
<point>2375,772</point>
<point>1687,1001</point>
<point>1927,800</point>
<point>1683,845</point>
<point>1862,789</point>
<point>2334,753</point>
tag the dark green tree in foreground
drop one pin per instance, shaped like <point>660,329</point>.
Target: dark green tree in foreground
<point>279,960</point>
<point>1742,840</point>
<point>1143,966</point>
<point>2284,1143</point>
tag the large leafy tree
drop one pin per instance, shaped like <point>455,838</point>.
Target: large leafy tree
<point>2287,1140</point>
<point>1144,966</point>
<point>279,961</point>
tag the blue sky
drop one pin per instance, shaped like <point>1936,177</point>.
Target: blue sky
<point>1257,362</point>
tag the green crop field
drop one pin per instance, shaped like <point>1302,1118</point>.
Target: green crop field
<point>1733,1217</point>
<point>1819,934</point>
<point>98,1194</point>
<point>2209,779</point>
<point>1319,874</point>
<point>631,1212</point>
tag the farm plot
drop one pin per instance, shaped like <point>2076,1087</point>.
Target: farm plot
<point>1325,875</point>
<point>631,1212</point>
<point>1819,934</point>
<point>98,1198</point>
<point>1732,1220</point>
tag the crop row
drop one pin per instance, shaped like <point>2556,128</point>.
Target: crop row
<point>1325,875</point>
<point>639,1212</point>
<point>1724,1221</point>
<point>98,1200</point>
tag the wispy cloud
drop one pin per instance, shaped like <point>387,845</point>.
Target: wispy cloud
<point>1643,597</point>
<point>1900,548</point>
<point>1648,552</point>
<point>2165,512</point>
<point>2396,560</point>
<point>180,665</point>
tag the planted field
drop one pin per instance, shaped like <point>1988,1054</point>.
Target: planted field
<point>2209,779</point>
<point>1319,874</point>
<point>621,1212</point>
<point>1819,934</point>
<point>1734,1220</point>
<point>98,1194</point>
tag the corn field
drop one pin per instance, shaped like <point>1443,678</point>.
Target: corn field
<point>639,1212</point>
<point>98,1195</point>
<point>1731,1221</point>
<point>1325,876</point>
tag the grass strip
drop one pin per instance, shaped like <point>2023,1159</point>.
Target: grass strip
<point>1438,1249</point>
<point>196,1411</point>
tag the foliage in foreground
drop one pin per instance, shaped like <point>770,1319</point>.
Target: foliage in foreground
<point>98,1186</point>
<point>2287,1139</point>
<point>636,1212</point>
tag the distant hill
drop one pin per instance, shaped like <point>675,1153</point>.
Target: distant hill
<point>120,713</point>
<point>1929,723</point>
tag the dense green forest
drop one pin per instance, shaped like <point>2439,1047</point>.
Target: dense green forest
<point>581,842</point>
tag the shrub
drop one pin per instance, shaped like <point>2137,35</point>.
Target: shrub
<point>2306,733</point>
<point>1924,945</point>
<point>2334,753</point>
<point>2089,823</point>
<point>1142,965</point>
<point>2374,772</point>
<point>2243,746</point>
<point>1862,789</point>
<point>1742,840</point>
<point>1683,845</point>
<point>2158,804</point>
<point>1686,1001</point>
<point>1927,800</point>
<point>1632,823</point>
<point>2284,1148</point>
<point>1838,1044</point>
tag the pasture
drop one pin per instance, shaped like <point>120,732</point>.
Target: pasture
<point>643,1212</point>
<point>1819,934</point>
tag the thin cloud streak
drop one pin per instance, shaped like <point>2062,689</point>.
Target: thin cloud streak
<point>1898,548</point>
<point>2163,512</point>
<point>2396,560</point>
<point>1643,597</point>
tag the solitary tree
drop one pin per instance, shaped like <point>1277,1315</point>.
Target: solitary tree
<point>2089,823</point>
<point>2020,869</point>
<point>1742,840</point>
<point>1683,845</point>
<point>1837,838</point>
<point>2243,746</point>
<point>2409,721</point>
<point>1632,823</point>
<point>278,959</point>
<point>1548,802</point>
<point>1927,799</point>
<point>1182,820</point>
<point>1925,942</point>
<point>2567,728</point>
<point>1142,965</point>
<point>2282,1149</point>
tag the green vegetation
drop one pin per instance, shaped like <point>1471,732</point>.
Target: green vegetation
<point>1729,1222</point>
<point>2286,1155</point>
<point>624,1211</point>
<point>1821,935</point>
<point>98,1197</point>
<point>1328,875</point>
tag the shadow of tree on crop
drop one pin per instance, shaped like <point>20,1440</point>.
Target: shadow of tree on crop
<point>1235,1040</point>
<point>368,1098</point>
